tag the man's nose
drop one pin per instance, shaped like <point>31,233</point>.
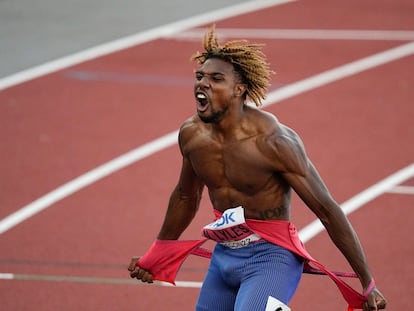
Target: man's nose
<point>204,81</point>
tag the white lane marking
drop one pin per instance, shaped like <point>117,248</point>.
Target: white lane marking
<point>6,276</point>
<point>87,179</point>
<point>341,72</point>
<point>300,34</point>
<point>170,139</point>
<point>402,190</point>
<point>369,194</point>
<point>88,279</point>
<point>139,38</point>
<point>307,233</point>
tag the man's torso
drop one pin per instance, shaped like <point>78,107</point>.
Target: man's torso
<point>239,170</point>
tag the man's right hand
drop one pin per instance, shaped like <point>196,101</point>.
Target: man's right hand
<point>137,273</point>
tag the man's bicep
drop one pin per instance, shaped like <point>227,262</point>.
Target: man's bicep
<point>189,183</point>
<point>294,165</point>
<point>297,168</point>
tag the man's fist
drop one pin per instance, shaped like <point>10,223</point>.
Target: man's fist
<point>138,273</point>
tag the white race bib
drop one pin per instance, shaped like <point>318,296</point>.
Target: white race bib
<point>231,229</point>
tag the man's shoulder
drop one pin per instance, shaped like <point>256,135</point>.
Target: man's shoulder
<point>273,128</point>
<point>189,128</point>
<point>189,125</point>
<point>277,138</point>
<point>270,128</point>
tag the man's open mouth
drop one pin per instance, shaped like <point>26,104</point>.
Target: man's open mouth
<point>202,101</point>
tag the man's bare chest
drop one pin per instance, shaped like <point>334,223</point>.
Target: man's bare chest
<point>238,164</point>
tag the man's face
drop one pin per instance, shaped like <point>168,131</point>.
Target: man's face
<point>214,89</point>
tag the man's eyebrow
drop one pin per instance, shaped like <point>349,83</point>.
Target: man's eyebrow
<point>214,73</point>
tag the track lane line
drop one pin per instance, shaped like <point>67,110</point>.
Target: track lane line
<point>86,179</point>
<point>306,234</point>
<point>341,72</point>
<point>168,140</point>
<point>299,34</point>
<point>402,190</point>
<point>95,280</point>
<point>136,39</point>
<point>354,203</point>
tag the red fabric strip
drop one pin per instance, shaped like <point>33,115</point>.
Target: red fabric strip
<point>165,257</point>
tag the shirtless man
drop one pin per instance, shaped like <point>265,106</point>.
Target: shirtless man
<point>246,158</point>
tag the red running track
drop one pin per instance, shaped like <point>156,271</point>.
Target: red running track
<point>357,130</point>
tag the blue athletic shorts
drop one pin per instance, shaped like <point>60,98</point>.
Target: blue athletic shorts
<point>243,279</point>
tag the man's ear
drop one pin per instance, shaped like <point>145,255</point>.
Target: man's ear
<point>241,89</point>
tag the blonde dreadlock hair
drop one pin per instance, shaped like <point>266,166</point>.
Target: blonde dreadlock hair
<point>247,59</point>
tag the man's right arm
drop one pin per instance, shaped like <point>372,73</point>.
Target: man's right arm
<point>182,207</point>
<point>183,204</point>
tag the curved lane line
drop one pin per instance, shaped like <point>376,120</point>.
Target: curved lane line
<point>139,38</point>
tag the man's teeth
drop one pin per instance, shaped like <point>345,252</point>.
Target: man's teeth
<point>201,96</point>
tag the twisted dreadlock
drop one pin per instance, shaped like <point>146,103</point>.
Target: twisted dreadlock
<point>247,58</point>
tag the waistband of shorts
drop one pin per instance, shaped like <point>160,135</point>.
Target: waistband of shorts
<point>251,239</point>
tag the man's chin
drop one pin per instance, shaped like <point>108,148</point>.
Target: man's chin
<point>214,117</point>
<point>206,119</point>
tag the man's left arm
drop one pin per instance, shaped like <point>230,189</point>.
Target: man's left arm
<point>311,189</point>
